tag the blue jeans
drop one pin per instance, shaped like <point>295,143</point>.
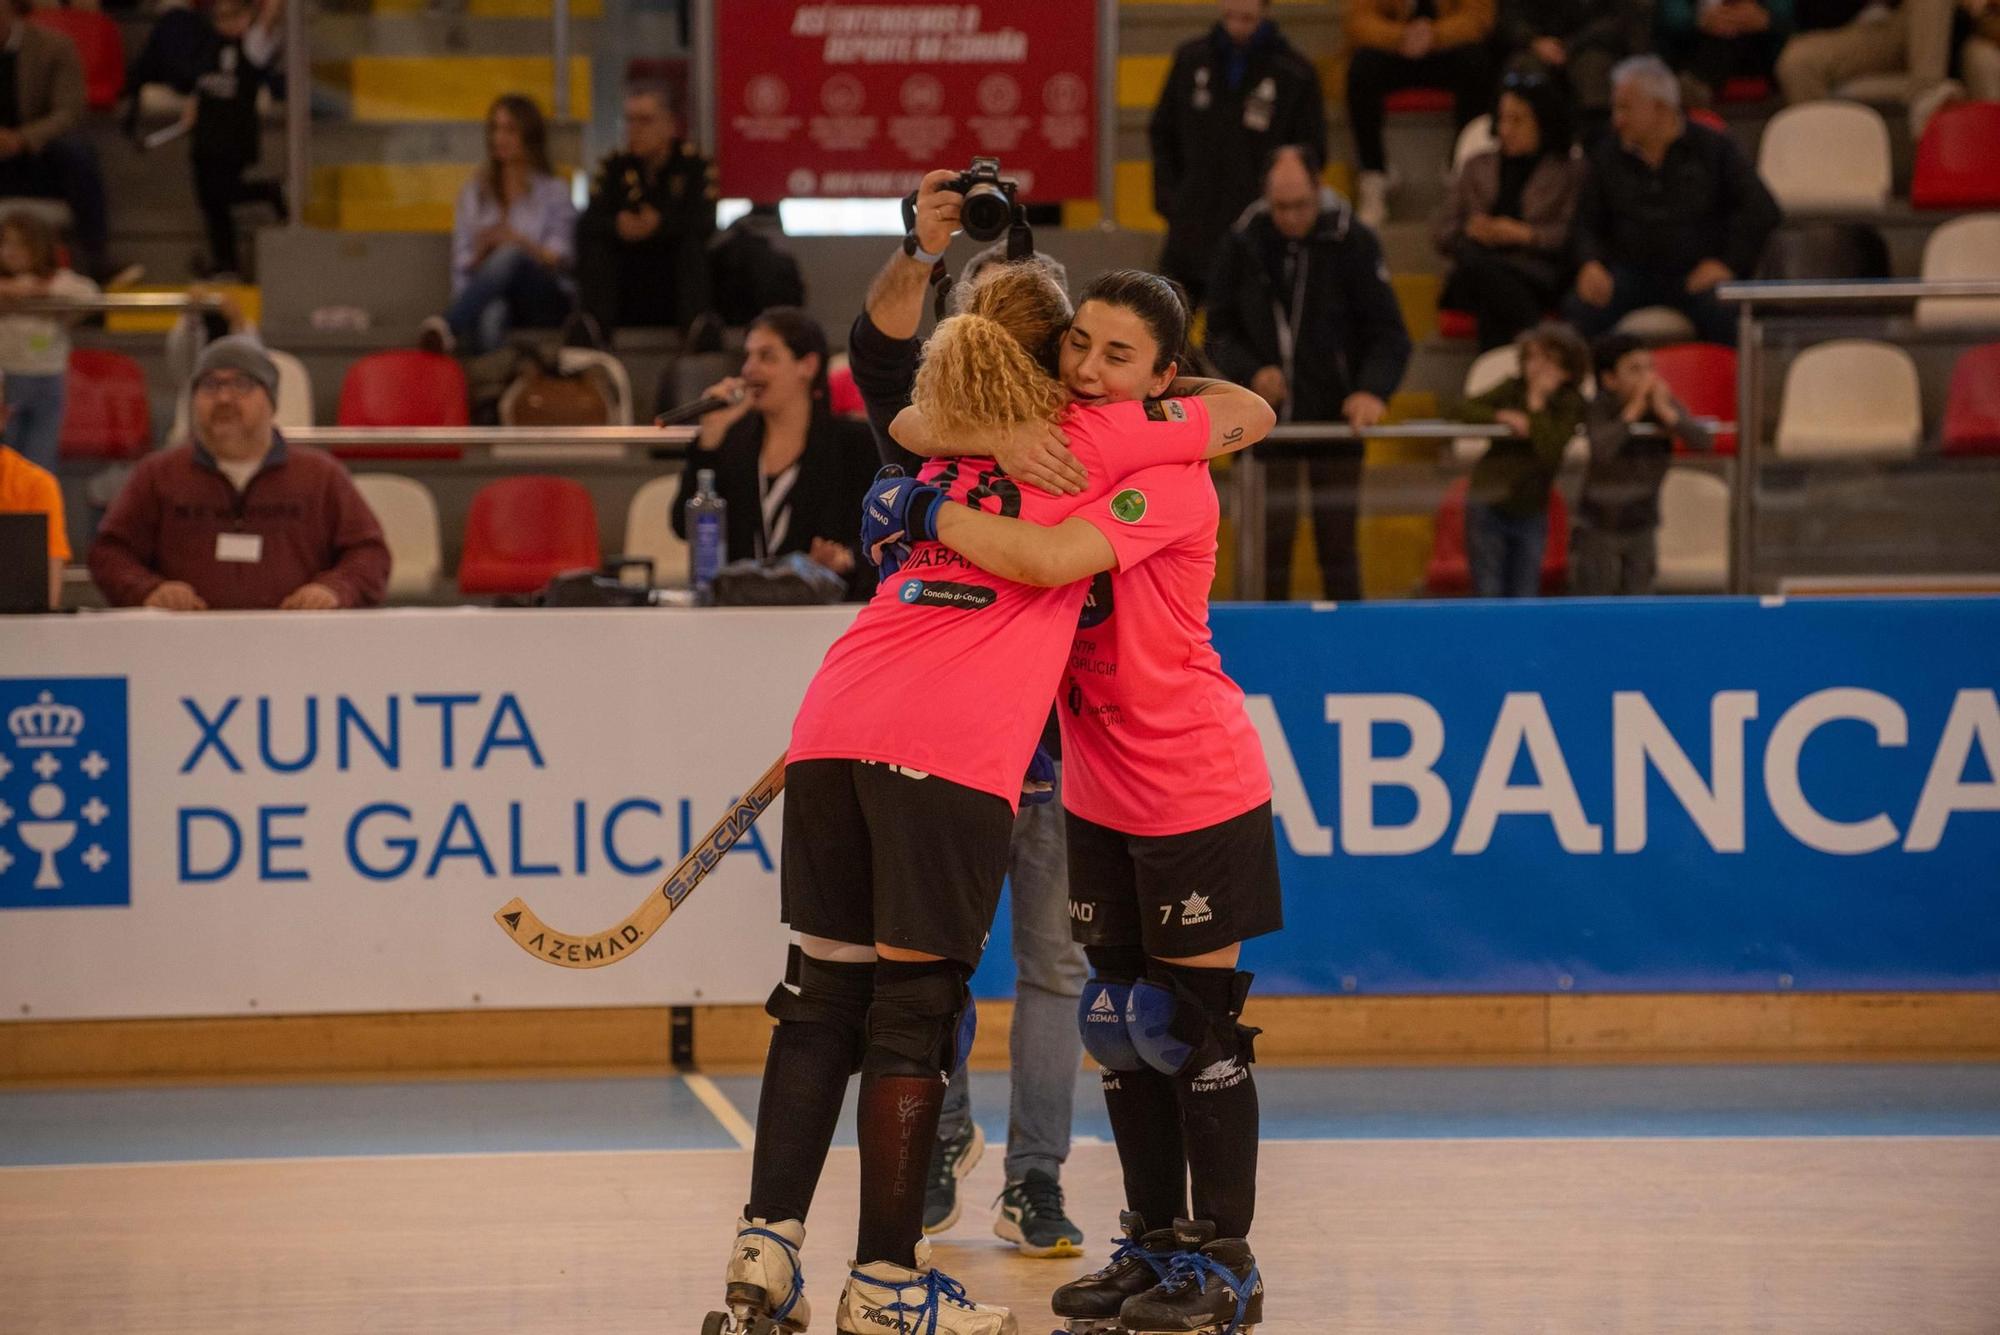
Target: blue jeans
<point>34,416</point>
<point>510,287</point>
<point>1633,288</point>
<point>1505,553</point>
<point>1045,1049</point>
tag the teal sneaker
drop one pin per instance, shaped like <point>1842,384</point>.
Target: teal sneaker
<point>1031,1217</point>
<point>951,1160</point>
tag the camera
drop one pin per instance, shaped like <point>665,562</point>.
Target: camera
<point>991,204</point>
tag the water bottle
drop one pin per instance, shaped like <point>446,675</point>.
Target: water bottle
<point>707,528</point>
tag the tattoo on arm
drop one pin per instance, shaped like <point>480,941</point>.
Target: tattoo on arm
<point>1233,436</point>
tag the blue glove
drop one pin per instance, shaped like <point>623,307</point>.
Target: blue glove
<point>1039,786</point>
<point>898,513</point>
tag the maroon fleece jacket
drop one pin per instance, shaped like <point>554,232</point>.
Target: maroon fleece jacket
<point>315,527</point>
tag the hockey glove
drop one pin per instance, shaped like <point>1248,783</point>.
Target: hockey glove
<point>1039,785</point>
<point>898,513</point>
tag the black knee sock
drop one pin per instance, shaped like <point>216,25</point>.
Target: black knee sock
<point>814,1049</point>
<point>912,1026</point>
<point>1218,1108</point>
<point>1146,1124</point>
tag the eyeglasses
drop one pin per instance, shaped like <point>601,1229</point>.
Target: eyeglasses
<point>1524,81</point>
<point>224,382</point>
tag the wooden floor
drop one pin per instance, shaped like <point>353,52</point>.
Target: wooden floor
<point>1780,1235</point>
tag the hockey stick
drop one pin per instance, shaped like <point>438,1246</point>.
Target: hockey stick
<point>544,942</point>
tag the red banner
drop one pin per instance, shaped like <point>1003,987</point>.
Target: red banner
<point>862,97</point>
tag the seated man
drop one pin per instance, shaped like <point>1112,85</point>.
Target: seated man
<point>43,153</point>
<point>28,488</point>
<point>1712,41</point>
<point>641,245</point>
<point>1840,40</point>
<point>1668,212</point>
<point>238,518</point>
<point>1401,44</point>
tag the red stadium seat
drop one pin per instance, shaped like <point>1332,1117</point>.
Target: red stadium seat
<point>522,531</point>
<point>1457,324</point>
<point>403,387</point>
<point>105,413</point>
<point>1417,99</point>
<point>843,396</point>
<point>98,45</point>
<point>1710,117</point>
<point>1744,88</point>
<point>1449,572</point>
<point>1972,411</point>
<point>1958,159</point>
<point>1703,376</point>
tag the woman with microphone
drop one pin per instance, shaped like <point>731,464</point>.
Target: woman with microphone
<point>793,474</point>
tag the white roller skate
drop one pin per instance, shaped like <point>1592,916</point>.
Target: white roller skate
<point>885,1299</point>
<point>764,1288</point>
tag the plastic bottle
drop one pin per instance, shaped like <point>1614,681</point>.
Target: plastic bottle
<point>707,529</point>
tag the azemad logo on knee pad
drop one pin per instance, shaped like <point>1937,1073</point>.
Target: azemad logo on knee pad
<point>65,813</point>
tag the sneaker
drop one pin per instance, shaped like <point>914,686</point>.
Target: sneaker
<point>1031,1217</point>
<point>1371,199</point>
<point>951,1160</point>
<point>434,335</point>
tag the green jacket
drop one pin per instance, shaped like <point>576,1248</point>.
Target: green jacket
<point>1514,475</point>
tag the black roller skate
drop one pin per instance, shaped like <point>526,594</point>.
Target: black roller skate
<point>763,1289</point>
<point>1211,1288</point>
<point>1089,1306</point>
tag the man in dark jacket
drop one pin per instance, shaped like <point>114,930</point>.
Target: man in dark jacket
<point>1233,94</point>
<point>43,152</point>
<point>641,244</point>
<point>1669,211</point>
<point>1301,311</point>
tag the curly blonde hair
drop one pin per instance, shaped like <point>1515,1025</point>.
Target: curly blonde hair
<point>988,366</point>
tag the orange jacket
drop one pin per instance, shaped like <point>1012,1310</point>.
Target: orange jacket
<point>1380,23</point>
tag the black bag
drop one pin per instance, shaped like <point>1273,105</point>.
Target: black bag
<point>784,581</point>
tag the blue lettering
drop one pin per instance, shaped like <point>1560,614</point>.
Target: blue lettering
<point>515,866</point>
<point>390,751</point>
<point>582,840</point>
<point>189,874</point>
<point>401,844</point>
<point>445,704</point>
<point>687,826</point>
<point>268,839</point>
<point>264,736</point>
<point>474,847</point>
<point>522,737</point>
<point>211,734</point>
<point>611,819</point>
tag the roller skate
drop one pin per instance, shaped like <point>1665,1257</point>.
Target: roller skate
<point>885,1299</point>
<point>1089,1306</point>
<point>1211,1288</point>
<point>764,1289</point>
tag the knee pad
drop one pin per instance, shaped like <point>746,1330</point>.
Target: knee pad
<point>822,992</point>
<point>917,1021</point>
<point>1100,1010</point>
<point>1182,1019</point>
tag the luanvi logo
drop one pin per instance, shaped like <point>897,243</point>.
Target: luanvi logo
<point>65,814</point>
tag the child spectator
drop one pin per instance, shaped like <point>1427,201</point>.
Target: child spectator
<point>1616,545</point>
<point>1507,509</point>
<point>239,60</point>
<point>34,349</point>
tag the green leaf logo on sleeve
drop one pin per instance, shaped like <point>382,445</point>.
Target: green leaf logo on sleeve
<point>1129,506</point>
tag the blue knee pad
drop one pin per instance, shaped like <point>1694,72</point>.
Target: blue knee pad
<point>1100,1014</point>
<point>1175,1029</point>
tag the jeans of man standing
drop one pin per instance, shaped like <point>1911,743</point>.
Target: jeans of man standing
<point>1046,1049</point>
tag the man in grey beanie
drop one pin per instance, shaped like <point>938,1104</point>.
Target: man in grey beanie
<point>238,518</point>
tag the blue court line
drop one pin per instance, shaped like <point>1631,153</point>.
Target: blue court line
<point>1298,1103</point>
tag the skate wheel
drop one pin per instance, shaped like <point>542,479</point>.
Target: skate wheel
<point>714,1323</point>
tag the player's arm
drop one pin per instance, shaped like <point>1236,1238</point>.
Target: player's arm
<point>1047,556</point>
<point>1036,453</point>
<point>1237,417</point>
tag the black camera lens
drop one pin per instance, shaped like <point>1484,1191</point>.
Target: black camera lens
<point>985,213</point>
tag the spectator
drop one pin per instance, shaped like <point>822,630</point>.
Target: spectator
<point>1233,94</point>
<point>1712,41</point>
<point>1616,544</point>
<point>641,246</point>
<point>34,349</point>
<point>28,488</point>
<point>1506,225</point>
<point>1301,311</point>
<point>1838,40</point>
<point>43,152</point>
<point>1980,56</point>
<point>1410,44</point>
<point>238,59</point>
<point>1668,211</point>
<point>1507,506</point>
<point>239,518</point>
<point>794,475</point>
<point>1578,42</point>
<point>511,237</point>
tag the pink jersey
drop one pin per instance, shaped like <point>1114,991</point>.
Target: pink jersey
<point>951,670</point>
<point>1155,737</point>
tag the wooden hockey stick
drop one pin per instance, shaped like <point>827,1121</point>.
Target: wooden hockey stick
<point>544,942</point>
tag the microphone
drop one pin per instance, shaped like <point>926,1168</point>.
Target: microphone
<point>701,407</point>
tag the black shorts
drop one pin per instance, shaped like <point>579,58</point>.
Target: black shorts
<point>1175,895</point>
<point>873,853</point>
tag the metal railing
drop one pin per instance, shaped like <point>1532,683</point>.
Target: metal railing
<point>510,444</point>
<point>109,303</point>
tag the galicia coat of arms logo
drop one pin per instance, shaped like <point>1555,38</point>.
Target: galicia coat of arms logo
<point>65,808</point>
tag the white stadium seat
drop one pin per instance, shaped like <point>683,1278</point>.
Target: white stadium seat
<point>1850,398</point>
<point>1967,247</point>
<point>409,519</point>
<point>1474,139</point>
<point>649,531</point>
<point>1826,157</point>
<point>1694,532</point>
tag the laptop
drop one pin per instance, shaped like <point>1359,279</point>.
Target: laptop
<point>24,562</point>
